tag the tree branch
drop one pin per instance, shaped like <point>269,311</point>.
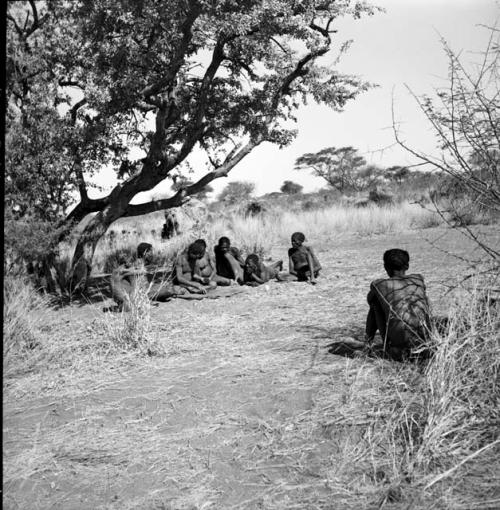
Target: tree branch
<point>182,196</point>
<point>178,58</point>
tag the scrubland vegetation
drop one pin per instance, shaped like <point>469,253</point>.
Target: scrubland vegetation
<point>420,435</point>
<point>258,233</point>
<point>236,404</point>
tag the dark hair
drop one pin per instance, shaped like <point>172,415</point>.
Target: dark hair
<point>396,260</point>
<point>202,242</point>
<point>224,240</point>
<point>196,249</point>
<point>298,236</point>
<point>142,249</point>
<point>253,259</point>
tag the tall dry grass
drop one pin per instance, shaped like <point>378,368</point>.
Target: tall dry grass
<point>258,234</point>
<point>23,309</point>
<point>440,436</point>
<point>132,330</point>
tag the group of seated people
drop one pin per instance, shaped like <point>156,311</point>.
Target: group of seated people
<point>398,305</point>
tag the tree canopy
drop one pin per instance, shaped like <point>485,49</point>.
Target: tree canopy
<point>236,191</point>
<point>291,188</point>
<point>342,168</point>
<point>90,84</point>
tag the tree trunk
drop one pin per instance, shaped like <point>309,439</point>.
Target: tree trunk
<point>95,229</point>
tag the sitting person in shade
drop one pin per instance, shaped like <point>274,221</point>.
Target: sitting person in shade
<point>229,263</point>
<point>124,281</point>
<point>303,265</point>
<point>399,308</point>
<point>256,273</point>
<point>194,270</point>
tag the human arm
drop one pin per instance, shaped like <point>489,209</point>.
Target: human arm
<point>310,263</point>
<point>317,264</point>
<point>291,266</point>
<point>255,280</point>
<point>371,326</point>
<point>181,280</point>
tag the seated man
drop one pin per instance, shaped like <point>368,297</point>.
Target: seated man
<point>228,261</point>
<point>256,273</point>
<point>399,308</point>
<point>194,270</point>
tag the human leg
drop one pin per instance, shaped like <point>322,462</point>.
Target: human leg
<point>236,269</point>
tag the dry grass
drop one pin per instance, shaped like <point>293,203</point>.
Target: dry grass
<point>258,234</point>
<point>132,330</point>
<point>248,410</point>
<point>440,433</point>
<point>22,319</point>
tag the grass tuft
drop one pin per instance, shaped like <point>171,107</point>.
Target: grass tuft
<point>132,330</point>
<point>22,309</point>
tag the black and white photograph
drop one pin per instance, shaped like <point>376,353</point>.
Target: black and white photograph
<point>251,255</point>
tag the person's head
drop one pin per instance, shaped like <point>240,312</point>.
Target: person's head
<point>202,242</point>
<point>123,258</point>
<point>252,262</point>
<point>196,250</point>
<point>143,250</point>
<point>224,244</point>
<point>396,261</point>
<point>297,239</point>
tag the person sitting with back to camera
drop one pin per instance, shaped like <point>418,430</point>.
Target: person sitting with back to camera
<point>256,273</point>
<point>399,308</point>
<point>303,265</point>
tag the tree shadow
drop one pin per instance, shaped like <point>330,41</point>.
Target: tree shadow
<point>93,294</point>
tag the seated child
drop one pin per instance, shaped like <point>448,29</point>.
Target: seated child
<point>399,308</point>
<point>256,273</point>
<point>194,270</point>
<point>228,261</point>
<point>303,264</point>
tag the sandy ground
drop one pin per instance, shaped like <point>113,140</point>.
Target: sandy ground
<point>249,410</point>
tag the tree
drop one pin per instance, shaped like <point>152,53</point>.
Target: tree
<point>291,188</point>
<point>88,81</point>
<point>237,191</point>
<point>397,173</point>
<point>339,167</point>
<point>464,115</point>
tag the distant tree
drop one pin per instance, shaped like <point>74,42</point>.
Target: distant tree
<point>370,176</point>
<point>237,191</point>
<point>339,167</point>
<point>397,173</point>
<point>88,81</point>
<point>291,188</point>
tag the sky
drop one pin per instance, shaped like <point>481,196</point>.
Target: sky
<point>395,49</point>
